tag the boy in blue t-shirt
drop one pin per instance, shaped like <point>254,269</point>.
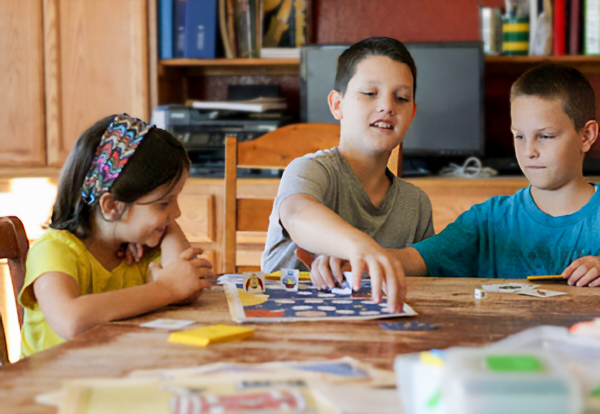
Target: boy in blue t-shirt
<point>550,227</point>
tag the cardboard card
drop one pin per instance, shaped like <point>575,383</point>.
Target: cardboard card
<point>166,323</point>
<point>254,282</point>
<point>540,293</point>
<point>508,287</point>
<point>290,279</point>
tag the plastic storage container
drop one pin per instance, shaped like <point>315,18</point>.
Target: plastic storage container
<point>486,381</point>
<point>479,381</point>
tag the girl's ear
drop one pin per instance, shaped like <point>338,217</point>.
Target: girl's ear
<point>589,133</point>
<point>335,99</point>
<point>111,209</point>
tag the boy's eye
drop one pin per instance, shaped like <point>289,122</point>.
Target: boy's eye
<point>368,93</point>
<point>547,136</point>
<point>164,205</point>
<point>518,136</point>
<point>402,99</point>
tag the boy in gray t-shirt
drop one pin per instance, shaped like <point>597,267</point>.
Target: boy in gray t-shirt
<point>344,203</point>
<point>402,218</point>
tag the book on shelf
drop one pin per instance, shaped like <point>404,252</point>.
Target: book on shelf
<point>280,52</point>
<point>223,29</point>
<point>261,104</point>
<point>165,29</point>
<point>575,25</point>
<point>286,23</point>
<point>559,27</point>
<point>591,19</point>
<point>246,16</point>
<point>179,28</point>
<point>200,29</point>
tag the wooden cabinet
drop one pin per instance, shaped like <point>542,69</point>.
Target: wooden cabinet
<point>21,83</point>
<point>65,64</point>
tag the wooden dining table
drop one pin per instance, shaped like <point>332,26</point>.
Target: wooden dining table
<point>117,348</point>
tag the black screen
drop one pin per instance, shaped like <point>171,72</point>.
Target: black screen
<point>449,118</point>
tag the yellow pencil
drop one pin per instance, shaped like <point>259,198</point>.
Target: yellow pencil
<point>544,277</point>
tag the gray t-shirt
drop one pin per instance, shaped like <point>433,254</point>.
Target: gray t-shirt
<point>403,218</point>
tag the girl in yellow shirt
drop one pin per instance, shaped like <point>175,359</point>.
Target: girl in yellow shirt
<point>118,188</point>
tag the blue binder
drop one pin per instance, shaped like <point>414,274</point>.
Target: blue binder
<point>200,29</point>
<point>179,28</point>
<point>165,29</point>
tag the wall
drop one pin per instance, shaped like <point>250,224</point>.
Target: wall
<point>348,21</point>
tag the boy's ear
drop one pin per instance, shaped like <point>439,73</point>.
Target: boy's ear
<point>335,99</point>
<point>110,208</point>
<point>589,134</point>
<point>414,112</point>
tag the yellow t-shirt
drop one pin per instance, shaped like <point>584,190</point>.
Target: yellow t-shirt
<point>61,251</point>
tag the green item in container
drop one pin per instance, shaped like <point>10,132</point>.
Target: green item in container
<point>513,363</point>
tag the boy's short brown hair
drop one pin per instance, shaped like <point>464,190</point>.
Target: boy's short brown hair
<point>373,46</point>
<point>552,81</point>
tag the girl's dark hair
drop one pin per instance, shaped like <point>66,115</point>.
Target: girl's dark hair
<point>553,81</point>
<point>373,46</point>
<point>159,159</point>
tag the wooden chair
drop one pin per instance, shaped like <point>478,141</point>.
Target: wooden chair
<point>13,247</point>
<point>275,149</point>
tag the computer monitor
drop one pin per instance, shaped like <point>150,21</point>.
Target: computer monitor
<point>449,98</point>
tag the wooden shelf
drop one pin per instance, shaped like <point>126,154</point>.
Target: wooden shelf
<point>508,64</point>
<point>271,66</point>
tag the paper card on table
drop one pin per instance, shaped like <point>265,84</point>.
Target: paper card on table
<point>540,293</point>
<point>166,323</point>
<point>408,326</point>
<point>254,282</point>
<point>290,279</point>
<point>211,334</point>
<point>508,287</point>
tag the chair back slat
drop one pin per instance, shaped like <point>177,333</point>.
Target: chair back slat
<point>14,246</point>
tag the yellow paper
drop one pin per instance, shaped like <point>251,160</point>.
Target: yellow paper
<point>276,275</point>
<point>211,334</point>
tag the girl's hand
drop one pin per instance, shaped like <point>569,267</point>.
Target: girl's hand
<point>131,252</point>
<point>185,277</point>
<point>584,271</point>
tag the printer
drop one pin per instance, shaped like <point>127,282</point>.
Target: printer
<point>202,133</point>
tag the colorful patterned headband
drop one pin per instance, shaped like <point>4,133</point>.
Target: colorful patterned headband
<point>118,143</point>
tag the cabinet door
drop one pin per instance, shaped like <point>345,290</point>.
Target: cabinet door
<point>96,65</point>
<point>21,83</point>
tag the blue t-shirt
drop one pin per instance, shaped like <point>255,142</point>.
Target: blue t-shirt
<point>509,237</point>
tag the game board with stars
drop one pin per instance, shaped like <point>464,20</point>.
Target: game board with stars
<point>277,304</point>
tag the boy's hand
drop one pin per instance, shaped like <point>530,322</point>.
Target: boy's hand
<point>584,271</point>
<point>185,277</point>
<point>326,272</point>
<point>386,274</point>
<point>385,271</point>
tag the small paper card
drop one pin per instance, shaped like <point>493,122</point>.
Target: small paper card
<point>508,287</point>
<point>290,279</point>
<point>541,293</point>
<point>254,282</point>
<point>166,323</point>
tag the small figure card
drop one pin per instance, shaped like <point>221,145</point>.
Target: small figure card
<point>290,279</point>
<point>254,282</point>
<point>540,293</point>
<point>508,287</point>
<point>166,323</point>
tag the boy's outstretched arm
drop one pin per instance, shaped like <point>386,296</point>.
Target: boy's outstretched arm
<point>584,271</point>
<point>316,228</point>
